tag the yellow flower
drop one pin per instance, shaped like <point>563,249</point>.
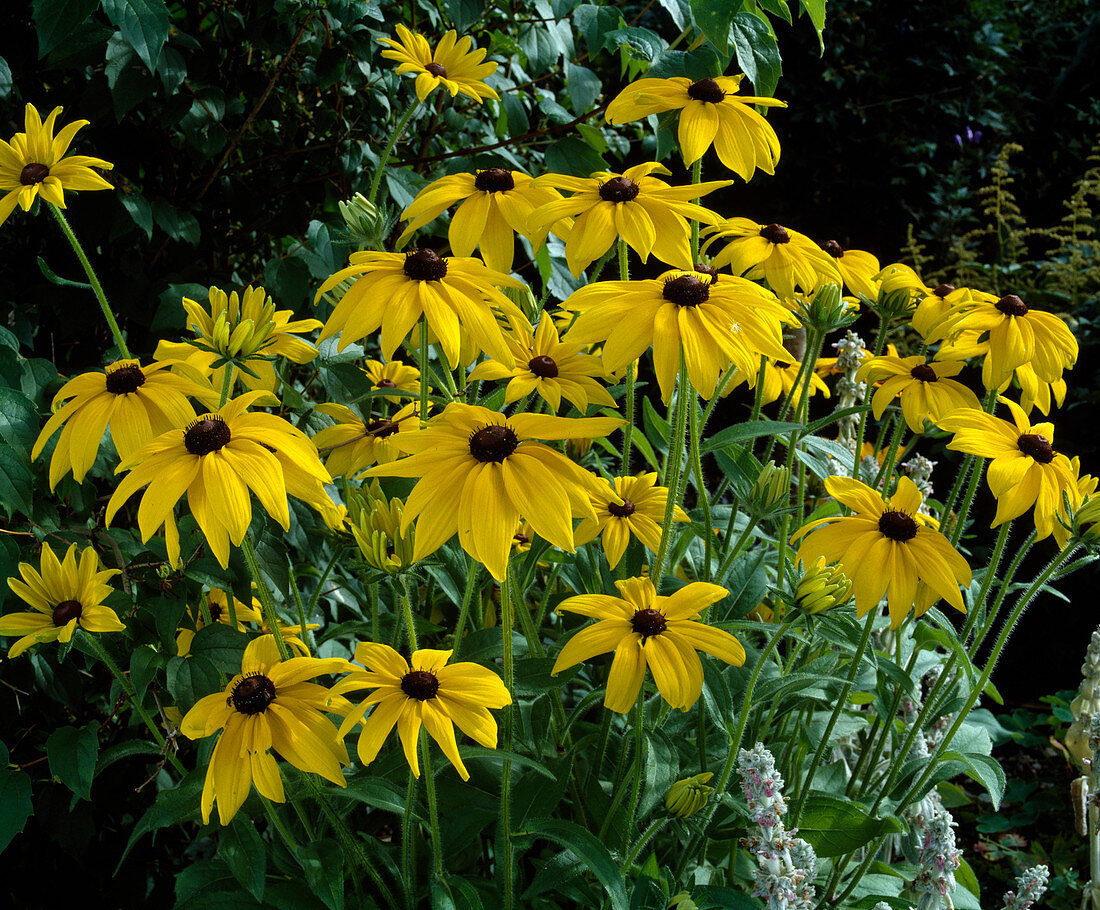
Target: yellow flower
<point>480,472</point>
<point>781,256</point>
<point>218,605</point>
<point>453,64</point>
<point>136,403</point>
<point>424,690</point>
<point>644,629</point>
<point>392,375</point>
<point>857,268</point>
<point>715,322</point>
<point>545,365</point>
<point>925,388</point>
<point>711,111</point>
<point>1025,470</point>
<point>34,164</point>
<point>647,213</point>
<point>64,595</point>
<point>216,460</point>
<point>779,378</point>
<point>268,705</point>
<point>1081,491</point>
<point>640,512</point>
<point>887,547</point>
<point>352,443</point>
<point>496,204</point>
<point>394,291</point>
<point>939,309</point>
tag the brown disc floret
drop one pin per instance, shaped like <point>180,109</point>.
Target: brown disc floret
<point>419,684</point>
<point>207,434</point>
<point>493,443</point>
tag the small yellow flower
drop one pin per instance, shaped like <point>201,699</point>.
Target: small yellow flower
<point>392,375</point>
<point>218,604</point>
<point>924,387</point>
<point>633,506</point>
<point>455,64</point>
<point>857,268</point>
<point>352,443</point>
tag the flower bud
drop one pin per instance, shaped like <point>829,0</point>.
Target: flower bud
<point>688,796</point>
<point>771,490</point>
<point>826,311</point>
<point>822,588</point>
<point>1087,520</point>
<point>577,448</point>
<point>363,218</point>
<point>376,526</point>
<point>899,292</point>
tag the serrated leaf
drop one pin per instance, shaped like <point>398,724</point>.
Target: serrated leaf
<point>144,26</point>
<point>713,18</point>
<point>72,753</point>
<point>588,850</point>
<point>222,645</point>
<point>757,52</point>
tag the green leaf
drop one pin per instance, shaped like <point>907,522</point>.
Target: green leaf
<point>985,770</point>
<point>465,13</point>
<point>323,865</point>
<point>589,850</point>
<point>815,9</point>
<point>177,225</point>
<point>6,85</point>
<point>173,807</point>
<point>191,678</point>
<point>144,26</point>
<point>54,278</point>
<point>583,86</point>
<point>18,420</point>
<point>744,431</point>
<point>140,211</point>
<point>713,18</point>
<point>835,826</point>
<point>473,752</point>
<point>242,848</point>
<point>573,156</point>
<point>595,22</point>
<point>642,43</point>
<point>15,800</point>
<point>965,876</point>
<point>222,645</point>
<point>72,752</point>
<point>55,20</point>
<point>123,750</point>
<point>757,52</point>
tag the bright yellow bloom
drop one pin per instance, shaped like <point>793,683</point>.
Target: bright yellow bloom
<point>715,322</point>
<point>555,370</point>
<point>857,268</point>
<point>1025,470</point>
<point>34,164</point>
<point>268,705</point>
<point>216,460</point>
<point>424,690</point>
<point>64,595</point>
<point>218,605</point>
<point>925,388</point>
<point>640,513</point>
<point>392,375</point>
<point>644,629</point>
<point>454,64</point>
<point>779,378</point>
<point>480,471</point>
<point>647,213</point>
<point>136,403</point>
<point>711,111</point>
<point>394,291</point>
<point>885,548</point>
<point>822,587</point>
<point>352,444</point>
<point>781,256</point>
<point>496,205</point>
<point>939,309</point>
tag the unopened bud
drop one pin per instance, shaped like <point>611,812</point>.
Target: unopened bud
<point>578,447</point>
<point>826,311</point>
<point>377,530</point>
<point>771,489</point>
<point>688,796</point>
<point>822,588</point>
<point>362,218</point>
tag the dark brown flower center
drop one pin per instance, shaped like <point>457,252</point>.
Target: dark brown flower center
<point>215,611</point>
<point>253,694</point>
<point>944,289</point>
<point>775,233</point>
<point>1037,447</point>
<point>1011,305</point>
<point>207,434</point>
<point>419,684</point>
<point>833,248</point>
<point>626,509</point>
<point>619,189</point>
<point>923,372</point>
<point>648,622</point>
<point>66,611</point>
<point>706,90</point>
<point>543,366</point>
<point>380,429</point>
<point>493,443</point>
<point>33,173</point>
<point>125,380</point>
<point>707,270</point>
<point>425,265</point>
<point>687,290</point>
<point>494,180</point>
<point>897,526</point>
<point>436,69</point>
<point>521,539</point>
<point>385,384</point>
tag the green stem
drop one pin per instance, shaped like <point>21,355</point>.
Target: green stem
<point>266,600</point>
<point>507,620</point>
<point>696,178</point>
<point>300,607</point>
<point>1006,583</point>
<point>684,394</point>
<point>384,158</point>
<point>628,426</point>
<point>732,552</point>
<point>407,612</point>
<point>880,342</point>
<point>968,499</point>
<point>424,370</point>
<point>473,569</point>
<point>408,844</point>
<point>433,807</point>
<point>987,581</point>
<point>956,488</point>
<point>646,837</point>
<point>702,500</point>
<point>891,456</point>
<point>227,386</point>
<point>639,761</point>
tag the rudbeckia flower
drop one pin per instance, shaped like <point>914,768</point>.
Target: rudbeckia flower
<point>715,323</point>
<point>640,513</point>
<point>887,547</point>
<point>352,443</point>
<point>925,388</point>
<point>711,111</point>
<point>555,370</point>
<point>647,213</point>
<point>215,460</point>
<point>392,375</point>
<point>33,163</point>
<point>455,64</point>
<point>268,705</point>
<point>496,205</point>
<point>779,378</point>
<point>781,256</point>
<point>136,403</point>
<point>480,472</point>
<point>857,268</point>
<point>64,595</point>
<point>423,691</point>
<point>939,309</point>
<point>1025,470</point>
<point>395,291</point>
<point>218,605</point>
<point>644,629</point>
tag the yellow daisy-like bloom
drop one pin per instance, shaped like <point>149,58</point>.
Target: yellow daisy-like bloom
<point>496,205</point>
<point>939,309</point>
<point>216,460</point>
<point>714,321</point>
<point>353,443</point>
<point>647,213</point>
<point>644,629</point>
<point>218,605</point>
<point>33,163</point>
<point>1083,489</point>
<point>455,64</point>
<point>857,268</point>
<point>1025,470</point>
<point>480,471</point>
<point>394,290</point>
<point>781,256</point>
<point>64,595</point>
<point>269,705</point>
<point>423,691</point>
<point>779,378</point>
<point>640,513</point>
<point>711,112</point>
<point>885,548</point>
<point>555,370</point>
<point>392,375</point>
<point>925,388</point>
<point>136,403</point>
